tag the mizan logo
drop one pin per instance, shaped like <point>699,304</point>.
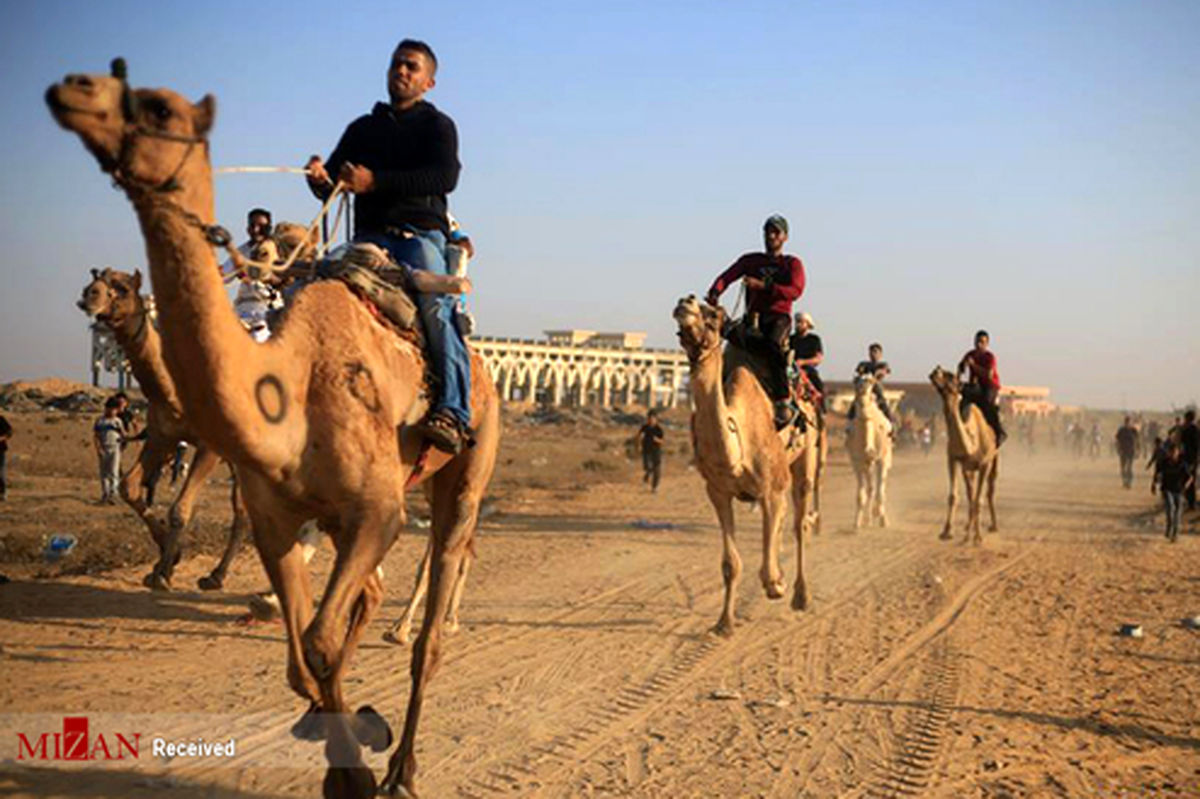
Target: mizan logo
<point>74,743</point>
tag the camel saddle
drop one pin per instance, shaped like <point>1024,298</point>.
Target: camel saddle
<point>745,337</point>
<point>371,273</point>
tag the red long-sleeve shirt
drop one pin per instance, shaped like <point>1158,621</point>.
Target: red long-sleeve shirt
<point>785,281</point>
<point>982,367</point>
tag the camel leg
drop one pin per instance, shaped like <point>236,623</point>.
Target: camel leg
<point>459,587</point>
<point>861,498</point>
<point>774,511</point>
<point>401,630</point>
<point>881,471</point>
<point>731,561</point>
<point>974,483</point>
<point>216,578</point>
<point>993,473</point>
<point>818,479</point>
<point>274,534</point>
<point>458,490</point>
<point>180,514</point>
<point>804,485</point>
<point>362,538</point>
<point>152,457</point>
<point>951,502</point>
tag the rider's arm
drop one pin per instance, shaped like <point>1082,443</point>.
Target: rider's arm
<point>793,286</point>
<point>346,150</point>
<point>428,282</point>
<point>726,278</point>
<point>438,176</point>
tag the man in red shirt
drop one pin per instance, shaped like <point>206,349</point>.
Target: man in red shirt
<point>983,386</point>
<point>773,282</point>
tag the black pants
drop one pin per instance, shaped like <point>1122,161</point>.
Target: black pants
<point>775,329</point>
<point>985,399</point>
<point>1190,493</point>
<point>1126,469</point>
<point>652,465</point>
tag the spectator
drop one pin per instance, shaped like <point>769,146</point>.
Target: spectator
<point>652,440</point>
<point>5,434</point>
<point>107,435</point>
<point>1174,479</point>
<point>1127,442</point>
<point>1189,443</point>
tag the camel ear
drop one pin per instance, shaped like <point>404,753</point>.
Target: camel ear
<point>137,280</point>
<point>106,274</point>
<point>204,113</point>
<point>95,273</point>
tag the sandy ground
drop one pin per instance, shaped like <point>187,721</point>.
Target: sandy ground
<point>584,666</point>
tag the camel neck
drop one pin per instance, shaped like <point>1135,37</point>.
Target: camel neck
<point>711,421</point>
<point>143,348</point>
<point>955,430</point>
<point>213,362</point>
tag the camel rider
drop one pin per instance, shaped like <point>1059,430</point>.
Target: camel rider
<point>807,353</point>
<point>983,385</point>
<point>255,297</point>
<point>401,161</point>
<point>773,282</point>
<point>878,368</point>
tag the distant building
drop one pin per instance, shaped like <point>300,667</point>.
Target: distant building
<point>585,367</point>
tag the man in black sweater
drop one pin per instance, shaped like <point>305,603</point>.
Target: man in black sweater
<point>401,161</point>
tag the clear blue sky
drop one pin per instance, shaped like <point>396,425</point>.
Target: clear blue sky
<point>1028,167</point>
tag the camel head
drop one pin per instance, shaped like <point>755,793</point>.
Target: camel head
<point>112,297</point>
<point>699,326</point>
<point>946,383</point>
<point>289,235</point>
<point>141,136</point>
<point>864,384</point>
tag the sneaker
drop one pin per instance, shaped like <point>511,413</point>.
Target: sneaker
<point>445,432</point>
<point>785,413</point>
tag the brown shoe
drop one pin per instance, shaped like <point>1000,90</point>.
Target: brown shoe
<point>444,431</point>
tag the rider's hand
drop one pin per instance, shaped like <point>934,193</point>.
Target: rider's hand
<point>462,285</point>
<point>712,298</point>
<point>754,283</point>
<point>466,244</point>
<point>358,179</point>
<point>316,171</point>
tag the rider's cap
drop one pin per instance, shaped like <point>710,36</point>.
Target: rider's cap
<point>776,221</point>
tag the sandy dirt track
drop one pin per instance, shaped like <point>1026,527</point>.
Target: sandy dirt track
<point>584,666</point>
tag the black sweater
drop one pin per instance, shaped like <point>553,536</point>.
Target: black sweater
<point>414,157</point>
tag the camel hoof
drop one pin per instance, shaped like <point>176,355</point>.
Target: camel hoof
<point>801,600</point>
<point>157,582</point>
<point>395,637</point>
<point>450,627</point>
<point>310,726</point>
<point>995,528</point>
<point>210,582</point>
<point>723,628</point>
<point>348,783</point>
<point>945,536</point>
<point>396,791</point>
<point>372,729</point>
<point>774,588</point>
<point>264,607</point>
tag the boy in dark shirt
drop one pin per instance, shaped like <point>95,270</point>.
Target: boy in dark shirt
<point>1174,478</point>
<point>878,368</point>
<point>5,434</point>
<point>1127,441</point>
<point>652,440</point>
<point>807,353</point>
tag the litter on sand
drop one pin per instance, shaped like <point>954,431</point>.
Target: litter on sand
<point>724,695</point>
<point>1132,630</point>
<point>58,546</point>
<point>1191,622</point>
<point>646,524</point>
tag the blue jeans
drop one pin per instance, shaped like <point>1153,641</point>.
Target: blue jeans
<point>1173,502</point>
<point>448,357</point>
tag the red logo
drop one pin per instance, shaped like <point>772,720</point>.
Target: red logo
<point>75,743</point>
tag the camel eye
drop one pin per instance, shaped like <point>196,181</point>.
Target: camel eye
<point>159,110</point>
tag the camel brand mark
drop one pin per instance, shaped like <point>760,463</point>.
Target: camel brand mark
<point>75,743</point>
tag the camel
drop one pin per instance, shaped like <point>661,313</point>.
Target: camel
<point>114,298</point>
<point>318,421</point>
<point>971,446</point>
<point>870,448</point>
<point>741,456</point>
